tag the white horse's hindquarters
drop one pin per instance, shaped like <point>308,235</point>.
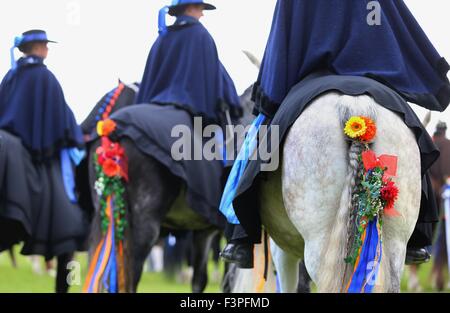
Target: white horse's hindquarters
<point>315,167</point>
<point>395,138</point>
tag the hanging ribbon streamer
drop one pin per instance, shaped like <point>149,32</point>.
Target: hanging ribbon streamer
<point>107,262</point>
<point>368,263</point>
<point>70,157</point>
<point>13,58</point>
<point>68,175</point>
<point>446,198</point>
<point>102,255</point>
<point>248,148</point>
<point>106,269</point>
<point>17,42</point>
<point>162,26</point>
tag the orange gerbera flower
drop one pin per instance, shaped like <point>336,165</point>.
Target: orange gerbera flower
<point>108,127</point>
<point>371,130</point>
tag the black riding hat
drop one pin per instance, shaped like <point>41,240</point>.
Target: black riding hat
<point>174,9</point>
<point>35,35</point>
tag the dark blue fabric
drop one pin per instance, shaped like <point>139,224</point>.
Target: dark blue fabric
<point>307,36</point>
<point>32,106</point>
<point>184,69</point>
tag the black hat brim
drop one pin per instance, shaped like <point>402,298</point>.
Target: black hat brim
<point>173,10</point>
<point>46,41</point>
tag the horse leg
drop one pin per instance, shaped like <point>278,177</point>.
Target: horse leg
<point>304,281</point>
<point>228,277</point>
<point>287,267</point>
<point>62,272</point>
<point>413,279</point>
<point>151,191</point>
<point>12,256</point>
<point>202,243</point>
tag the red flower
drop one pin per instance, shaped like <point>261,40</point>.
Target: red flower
<point>101,159</point>
<point>111,149</point>
<point>111,168</point>
<point>389,193</point>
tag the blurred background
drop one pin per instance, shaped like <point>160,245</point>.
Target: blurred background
<point>101,41</point>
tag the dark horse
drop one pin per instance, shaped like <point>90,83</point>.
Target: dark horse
<point>155,205</point>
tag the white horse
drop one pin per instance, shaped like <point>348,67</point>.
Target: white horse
<point>306,203</point>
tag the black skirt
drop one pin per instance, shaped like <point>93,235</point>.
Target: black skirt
<point>34,207</point>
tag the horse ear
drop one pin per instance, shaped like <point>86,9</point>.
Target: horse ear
<point>252,58</point>
<point>120,81</point>
<point>427,119</point>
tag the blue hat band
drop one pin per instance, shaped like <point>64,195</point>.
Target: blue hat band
<point>20,40</point>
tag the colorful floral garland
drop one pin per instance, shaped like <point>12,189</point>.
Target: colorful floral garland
<point>374,196</point>
<point>111,169</point>
<point>111,166</point>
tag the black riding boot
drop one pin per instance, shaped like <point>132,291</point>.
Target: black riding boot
<point>239,249</point>
<point>421,238</point>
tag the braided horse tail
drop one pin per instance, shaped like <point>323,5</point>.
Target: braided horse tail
<point>334,272</point>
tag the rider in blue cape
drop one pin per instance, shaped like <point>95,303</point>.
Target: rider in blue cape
<point>184,79</point>
<point>383,42</point>
<point>34,114</point>
<point>32,104</point>
<point>184,69</point>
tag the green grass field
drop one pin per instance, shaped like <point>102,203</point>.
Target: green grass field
<point>23,280</point>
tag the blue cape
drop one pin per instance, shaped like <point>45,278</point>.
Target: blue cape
<point>334,35</point>
<point>32,107</point>
<point>184,69</point>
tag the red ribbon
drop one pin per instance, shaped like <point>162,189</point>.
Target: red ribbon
<point>388,162</point>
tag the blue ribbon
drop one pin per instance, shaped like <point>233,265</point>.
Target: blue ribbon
<point>366,273</point>
<point>110,275</point>
<point>77,155</point>
<point>97,268</point>
<point>17,42</point>
<point>68,175</point>
<point>237,171</point>
<point>162,27</point>
<point>67,157</point>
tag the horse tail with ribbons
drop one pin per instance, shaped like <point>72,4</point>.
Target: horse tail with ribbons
<point>351,258</point>
<point>108,261</point>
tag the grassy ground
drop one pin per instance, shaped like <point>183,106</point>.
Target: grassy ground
<point>22,279</point>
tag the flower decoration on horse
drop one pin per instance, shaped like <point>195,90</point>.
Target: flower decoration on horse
<point>374,196</point>
<point>111,168</point>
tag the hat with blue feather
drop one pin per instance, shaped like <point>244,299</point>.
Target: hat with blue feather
<point>35,35</point>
